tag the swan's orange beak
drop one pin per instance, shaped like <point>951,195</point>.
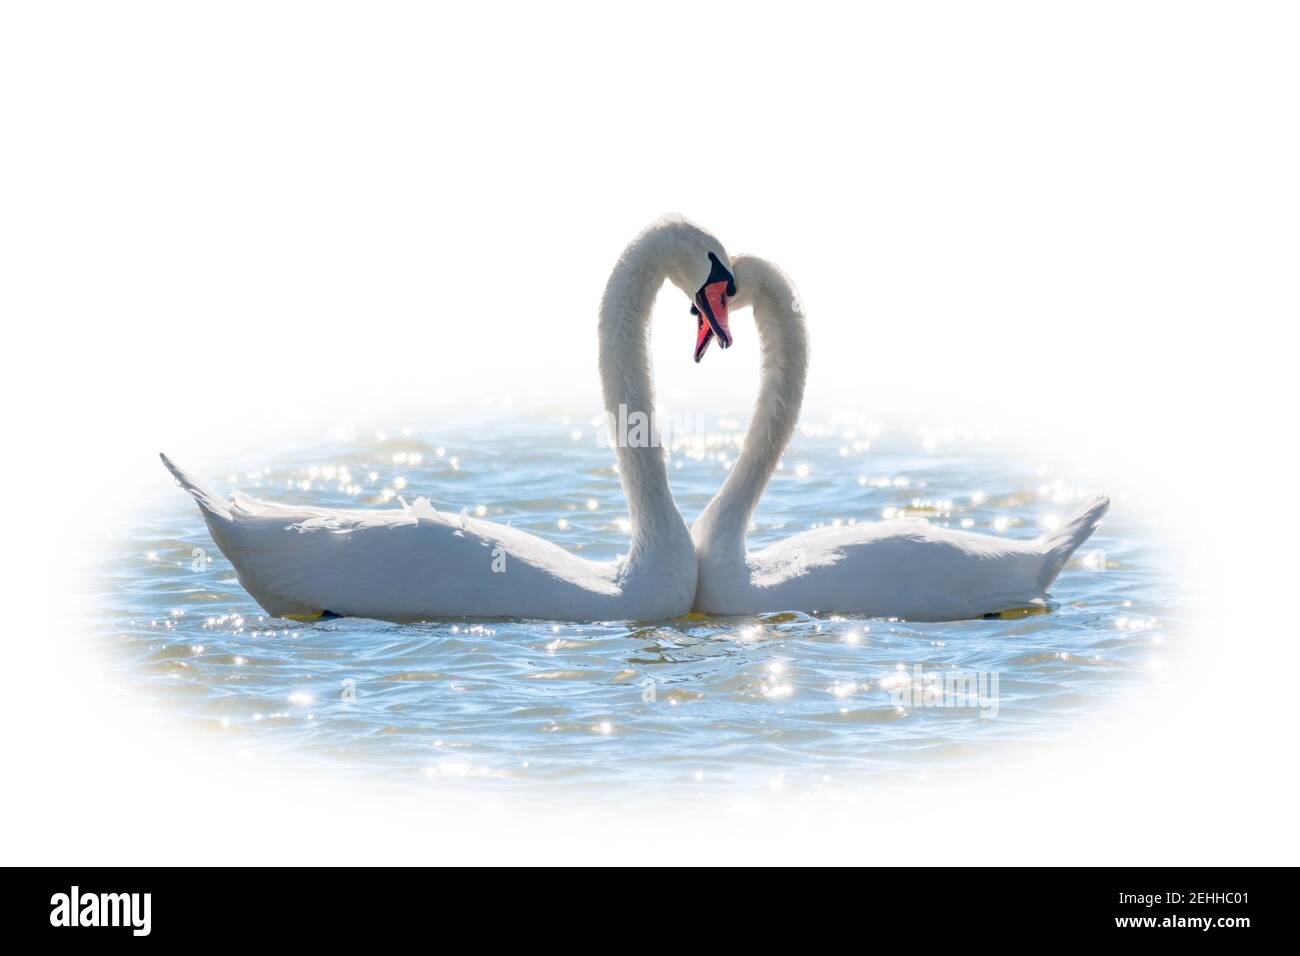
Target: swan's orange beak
<point>710,310</point>
<point>703,334</point>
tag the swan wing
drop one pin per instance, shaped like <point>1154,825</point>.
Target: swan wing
<point>402,563</point>
<point>911,569</point>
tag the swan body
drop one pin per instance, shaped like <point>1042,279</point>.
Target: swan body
<point>904,568</point>
<point>415,562</point>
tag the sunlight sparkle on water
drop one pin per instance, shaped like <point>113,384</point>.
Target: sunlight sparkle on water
<point>748,702</point>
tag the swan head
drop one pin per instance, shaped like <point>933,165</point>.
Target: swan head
<point>749,274</point>
<point>764,283</point>
<point>757,277</point>
<point>701,268</point>
<point>711,309</point>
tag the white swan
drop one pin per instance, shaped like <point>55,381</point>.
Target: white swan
<point>416,563</point>
<point>905,568</point>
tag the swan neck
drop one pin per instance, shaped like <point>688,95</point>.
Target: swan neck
<point>628,388</point>
<point>720,531</point>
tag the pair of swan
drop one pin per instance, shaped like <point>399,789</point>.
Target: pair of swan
<point>417,563</point>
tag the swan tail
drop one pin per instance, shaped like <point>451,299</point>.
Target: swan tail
<point>212,505</point>
<point>1058,545</point>
<point>222,523</point>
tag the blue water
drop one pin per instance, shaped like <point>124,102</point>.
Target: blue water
<point>702,703</point>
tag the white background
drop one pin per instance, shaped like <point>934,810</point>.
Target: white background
<point>227,226</point>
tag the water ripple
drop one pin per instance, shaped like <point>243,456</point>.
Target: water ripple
<point>775,700</point>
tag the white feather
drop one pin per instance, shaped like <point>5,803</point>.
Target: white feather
<point>412,562</point>
<point>904,568</point>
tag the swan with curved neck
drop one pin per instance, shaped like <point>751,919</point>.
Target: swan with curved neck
<point>903,568</point>
<point>414,562</point>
